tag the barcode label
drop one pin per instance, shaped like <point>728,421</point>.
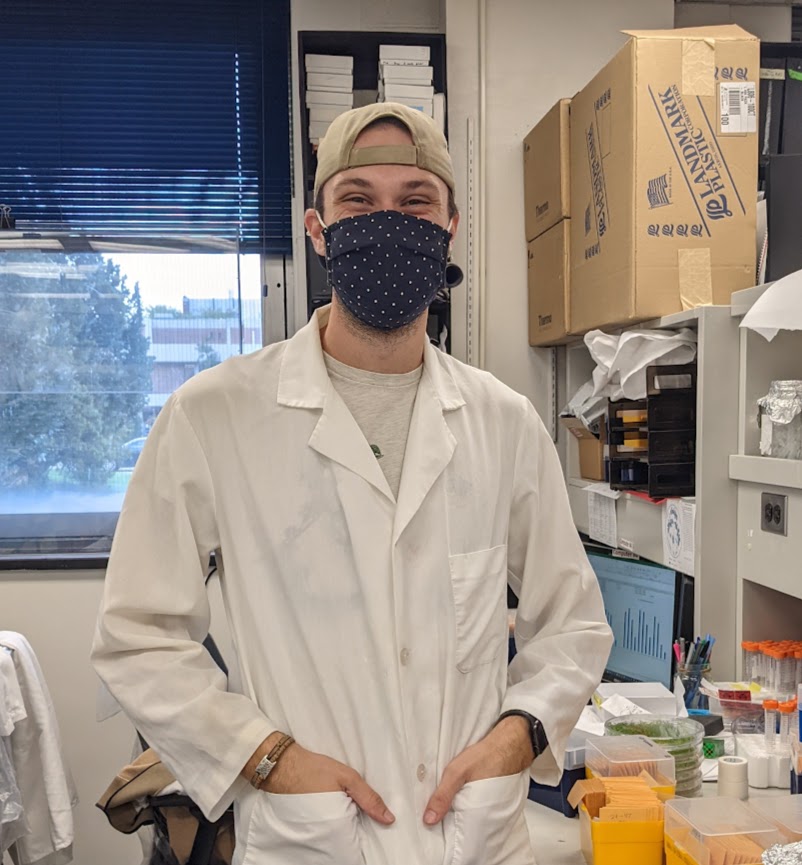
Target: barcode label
<point>738,107</point>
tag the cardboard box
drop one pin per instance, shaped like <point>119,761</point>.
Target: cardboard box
<point>325,97</point>
<point>318,128</point>
<point>325,113</point>
<point>424,105</point>
<point>329,63</point>
<point>591,449</point>
<point>664,177</point>
<point>333,82</point>
<point>417,54</point>
<point>439,111</point>
<point>406,74</point>
<point>408,91</point>
<point>547,187</point>
<point>549,281</point>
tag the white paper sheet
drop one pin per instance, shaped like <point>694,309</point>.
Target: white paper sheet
<point>618,706</point>
<point>679,522</point>
<point>778,308</point>
<point>589,722</point>
<point>601,514</point>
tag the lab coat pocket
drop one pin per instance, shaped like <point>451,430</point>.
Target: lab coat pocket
<point>479,583</point>
<point>313,828</point>
<point>487,823</point>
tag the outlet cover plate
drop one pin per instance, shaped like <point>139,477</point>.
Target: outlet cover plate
<point>774,513</point>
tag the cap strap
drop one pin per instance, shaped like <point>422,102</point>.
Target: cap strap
<point>386,154</point>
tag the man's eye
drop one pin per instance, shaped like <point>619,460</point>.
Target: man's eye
<point>416,202</point>
<point>356,199</point>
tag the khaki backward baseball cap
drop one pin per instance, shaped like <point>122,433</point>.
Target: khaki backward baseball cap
<point>428,150</point>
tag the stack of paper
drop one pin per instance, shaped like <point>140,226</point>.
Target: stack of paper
<point>329,90</point>
<point>406,76</point>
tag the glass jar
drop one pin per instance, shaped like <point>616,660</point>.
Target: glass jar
<point>780,420</point>
<point>691,676</point>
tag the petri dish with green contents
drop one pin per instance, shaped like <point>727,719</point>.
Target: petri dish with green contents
<point>681,737</point>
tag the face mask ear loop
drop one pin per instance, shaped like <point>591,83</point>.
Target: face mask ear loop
<point>453,272</point>
<point>320,220</point>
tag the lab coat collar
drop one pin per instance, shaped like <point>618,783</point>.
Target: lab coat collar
<point>304,380</point>
<point>304,383</point>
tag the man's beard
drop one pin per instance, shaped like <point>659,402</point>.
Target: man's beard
<point>377,336</point>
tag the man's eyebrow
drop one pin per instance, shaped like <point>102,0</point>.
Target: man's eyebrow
<point>421,184</point>
<point>358,182</point>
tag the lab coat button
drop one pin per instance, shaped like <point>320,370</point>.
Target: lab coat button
<point>404,657</point>
<point>421,772</point>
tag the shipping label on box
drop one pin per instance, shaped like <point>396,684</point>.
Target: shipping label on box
<point>664,177</point>
<point>547,191</point>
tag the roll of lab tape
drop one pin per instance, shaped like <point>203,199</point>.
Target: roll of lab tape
<point>733,777</point>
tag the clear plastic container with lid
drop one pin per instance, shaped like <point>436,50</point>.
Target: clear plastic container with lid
<point>770,709</point>
<point>786,711</point>
<point>751,652</point>
<point>621,756</point>
<point>793,723</point>
<point>575,750</point>
<point>703,831</point>
<point>785,812</point>
<point>680,737</point>
<point>761,662</point>
<point>786,684</point>
<point>773,655</point>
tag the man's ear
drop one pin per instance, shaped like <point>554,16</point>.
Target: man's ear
<point>453,225</point>
<point>314,230</point>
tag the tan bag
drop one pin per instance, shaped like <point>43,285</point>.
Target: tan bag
<point>132,800</point>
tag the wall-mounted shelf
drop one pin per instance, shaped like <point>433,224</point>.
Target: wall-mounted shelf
<point>766,471</point>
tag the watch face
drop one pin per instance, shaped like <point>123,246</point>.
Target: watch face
<point>539,737</point>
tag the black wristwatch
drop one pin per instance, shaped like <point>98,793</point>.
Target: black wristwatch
<point>536,732</point>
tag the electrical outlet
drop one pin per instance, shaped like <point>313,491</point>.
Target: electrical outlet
<point>774,513</point>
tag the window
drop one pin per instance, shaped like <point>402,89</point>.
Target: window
<point>145,160</point>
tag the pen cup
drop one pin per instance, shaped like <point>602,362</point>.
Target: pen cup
<point>691,676</point>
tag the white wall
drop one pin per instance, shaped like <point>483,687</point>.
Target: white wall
<point>537,52</point>
<point>769,23</point>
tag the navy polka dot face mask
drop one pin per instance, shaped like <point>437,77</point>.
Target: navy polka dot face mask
<point>386,267</point>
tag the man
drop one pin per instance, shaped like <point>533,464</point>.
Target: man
<point>371,499</point>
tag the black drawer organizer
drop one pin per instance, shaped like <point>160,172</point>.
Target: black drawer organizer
<point>653,441</point>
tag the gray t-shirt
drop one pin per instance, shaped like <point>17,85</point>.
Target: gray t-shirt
<point>381,404</point>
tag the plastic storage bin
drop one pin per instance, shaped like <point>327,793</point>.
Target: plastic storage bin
<point>636,843</point>
<point>622,756</point>
<point>784,812</point>
<point>697,831</point>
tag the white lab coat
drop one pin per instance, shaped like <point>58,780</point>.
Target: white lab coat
<point>42,775</point>
<point>374,632</point>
